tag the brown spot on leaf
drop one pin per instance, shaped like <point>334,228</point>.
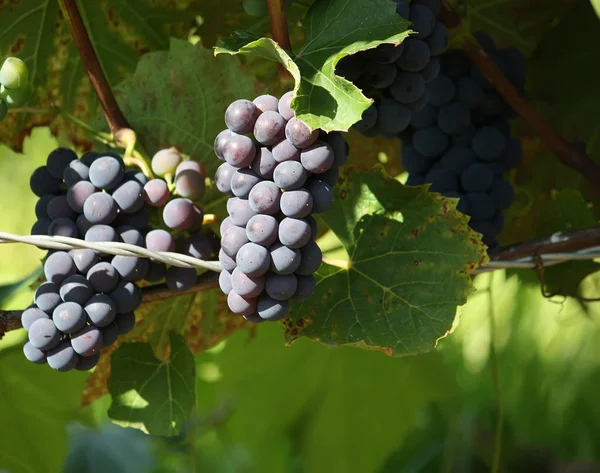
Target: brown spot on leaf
<point>417,262</point>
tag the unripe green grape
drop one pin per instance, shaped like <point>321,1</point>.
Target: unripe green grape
<point>13,73</point>
<point>3,109</point>
<point>16,97</point>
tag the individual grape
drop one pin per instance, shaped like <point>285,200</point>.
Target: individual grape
<point>225,282</point>
<point>225,224</point>
<point>241,116</point>
<point>33,313</point>
<point>59,208</point>
<point>264,163</point>
<point>33,354</point>
<point>63,357</point>
<point>41,227</point>
<point>110,334</point>
<point>69,317</point>
<point>457,159</point>
<point>125,322</point>
<point>156,193</point>
<point>127,297</point>
<point>317,158</point>
<point>165,162</point>
<point>43,334</point>
<point>88,341</point>
<point>46,297</point>
<point>160,240</point>
<point>130,235</point>
<point>78,194</point>
<point>392,117</point>
<point>502,193</point>
<point>297,203</point>
<point>86,363</point>
<point>367,120</point>
<point>430,142</point>
<point>232,240</point>
<point>431,70</point>
<point>387,53</point>
<point>240,305</point>
<point>414,162</point>
<point>438,39</point>
<point>58,267</point>
<point>106,172</point>
<point>58,160</point>
<point>310,259</point>
<point>424,118</point>
<point>130,268</point>
<point>227,261</point>
<point>307,285</point>
<point>284,260</point>
<point>223,178</point>
<point>281,287</point>
<point>264,198</point>
<point>75,172</point>
<point>129,197</point>
<point>42,182</point>
<point>156,271</point>
<point>198,246</point>
<point>284,107</point>
<point>76,289</point>
<point>470,92</point>
<point>100,310</point>
<point>13,73</point>
<point>441,90</point>
<point>478,205</point>
<point>189,183</point>
<point>441,180</point>
<point>101,233</point>
<point>340,148</point>
<point>220,142</point>
<point>239,211</point>
<point>415,55</point>
<point>178,214</point>
<point>239,151</point>
<point>285,151</point>
<point>290,175</point>
<point>15,97</point>
<point>137,176</point>
<point>63,227</point>
<point>89,157</point>
<point>41,206</point>
<point>246,286</point>
<point>269,128</point>
<point>380,76</point>
<point>242,182</point>
<point>488,143</point>
<point>262,229</point>
<point>253,260</point>
<point>266,103</point>
<point>299,135</point>
<point>454,118</point>
<point>423,20</point>
<point>294,233</point>
<point>477,178</point>
<point>407,87</point>
<point>100,208</point>
<point>271,309</point>
<point>103,277</point>
<point>322,195</point>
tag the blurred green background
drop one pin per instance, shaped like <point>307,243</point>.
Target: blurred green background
<point>514,389</point>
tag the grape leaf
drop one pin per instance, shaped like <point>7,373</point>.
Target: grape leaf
<point>596,5</point>
<point>406,273</point>
<point>335,29</point>
<point>36,31</point>
<point>157,393</point>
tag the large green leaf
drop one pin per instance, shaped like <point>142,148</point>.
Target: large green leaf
<point>335,29</point>
<point>36,31</point>
<point>157,393</point>
<point>410,252</point>
<point>37,404</point>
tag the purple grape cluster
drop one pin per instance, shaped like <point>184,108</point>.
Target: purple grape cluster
<point>461,142</point>
<point>397,76</point>
<point>278,172</point>
<point>89,297</point>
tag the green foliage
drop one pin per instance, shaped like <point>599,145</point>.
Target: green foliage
<point>334,29</point>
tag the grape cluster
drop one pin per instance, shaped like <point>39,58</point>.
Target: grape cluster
<point>461,142</point>
<point>14,85</point>
<point>397,76</point>
<point>278,172</point>
<point>89,297</point>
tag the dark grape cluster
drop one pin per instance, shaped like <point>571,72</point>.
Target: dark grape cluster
<point>461,142</point>
<point>278,172</point>
<point>14,85</point>
<point>89,297</point>
<point>397,76</point>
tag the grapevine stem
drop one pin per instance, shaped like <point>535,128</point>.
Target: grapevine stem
<point>280,32</point>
